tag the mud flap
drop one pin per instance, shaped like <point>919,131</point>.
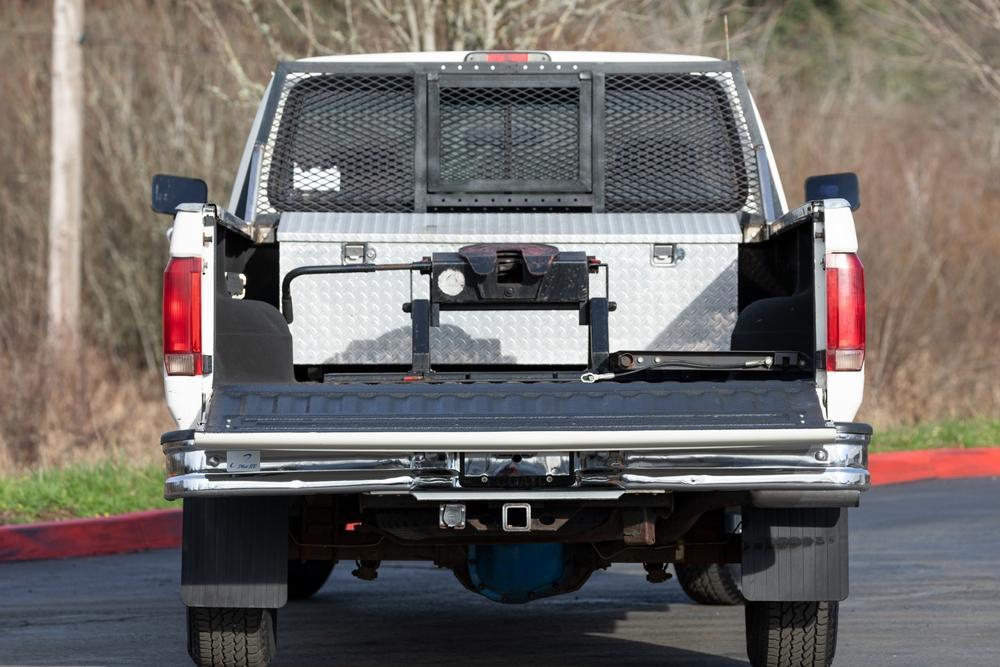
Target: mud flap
<point>795,554</point>
<point>235,552</point>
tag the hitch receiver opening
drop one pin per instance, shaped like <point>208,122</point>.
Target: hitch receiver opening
<point>516,517</point>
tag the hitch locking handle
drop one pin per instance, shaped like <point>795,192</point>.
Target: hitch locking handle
<point>286,284</point>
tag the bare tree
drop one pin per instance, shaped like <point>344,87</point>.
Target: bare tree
<point>969,30</point>
<point>427,25</point>
<point>66,188</point>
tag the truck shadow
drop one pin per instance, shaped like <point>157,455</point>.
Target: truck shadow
<point>449,344</point>
<point>707,322</point>
<point>422,618</point>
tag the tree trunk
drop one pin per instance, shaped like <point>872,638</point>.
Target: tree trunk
<point>66,186</point>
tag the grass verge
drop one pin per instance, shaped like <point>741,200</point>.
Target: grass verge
<point>81,491</point>
<point>114,488</point>
<point>935,435</point>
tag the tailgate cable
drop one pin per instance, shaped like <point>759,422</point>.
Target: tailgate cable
<point>764,362</point>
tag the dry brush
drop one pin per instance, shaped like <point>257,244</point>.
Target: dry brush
<point>171,86</point>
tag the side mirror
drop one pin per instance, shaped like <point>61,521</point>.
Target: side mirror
<point>170,191</point>
<point>835,186</point>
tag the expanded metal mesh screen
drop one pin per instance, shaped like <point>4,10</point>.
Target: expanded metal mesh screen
<point>673,141</point>
<point>677,143</point>
<point>341,143</point>
<point>504,134</point>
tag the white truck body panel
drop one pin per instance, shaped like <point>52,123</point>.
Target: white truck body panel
<point>244,166</point>
<point>844,389</point>
<point>190,237</point>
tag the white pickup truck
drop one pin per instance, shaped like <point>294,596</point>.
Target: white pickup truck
<point>523,315</point>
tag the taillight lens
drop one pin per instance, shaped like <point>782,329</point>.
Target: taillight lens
<point>845,312</point>
<point>507,57</point>
<point>182,316</point>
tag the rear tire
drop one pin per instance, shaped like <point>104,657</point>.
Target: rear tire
<point>306,577</point>
<point>228,637</point>
<point>716,583</point>
<point>791,634</point>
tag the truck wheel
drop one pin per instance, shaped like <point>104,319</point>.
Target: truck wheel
<point>791,634</point>
<point>716,583</point>
<point>306,577</point>
<point>227,637</point>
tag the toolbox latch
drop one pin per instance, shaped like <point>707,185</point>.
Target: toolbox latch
<point>666,254</point>
<point>358,253</point>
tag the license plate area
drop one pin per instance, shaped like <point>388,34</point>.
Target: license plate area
<point>517,470</point>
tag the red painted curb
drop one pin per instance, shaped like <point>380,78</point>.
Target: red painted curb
<point>135,531</point>
<point>161,529</point>
<point>898,467</point>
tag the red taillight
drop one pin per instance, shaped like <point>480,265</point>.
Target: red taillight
<point>506,57</point>
<point>182,316</point>
<point>845,312</point>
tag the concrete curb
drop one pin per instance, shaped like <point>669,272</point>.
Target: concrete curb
<point>101,536</point>
<point>923,464</point>
<point>161,529</point>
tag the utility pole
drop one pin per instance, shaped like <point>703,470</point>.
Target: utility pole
<point>66,176</point>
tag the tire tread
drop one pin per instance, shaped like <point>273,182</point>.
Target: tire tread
<point>714,583</point>
<point>791,634</point>
<point>224,637</point>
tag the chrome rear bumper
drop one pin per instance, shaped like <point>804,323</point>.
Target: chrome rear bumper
<point>833,458</point>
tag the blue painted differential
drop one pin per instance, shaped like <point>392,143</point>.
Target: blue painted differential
<point>516,573</point>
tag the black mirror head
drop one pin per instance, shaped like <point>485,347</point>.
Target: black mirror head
<point>835,186</point>
<point>171,191</point>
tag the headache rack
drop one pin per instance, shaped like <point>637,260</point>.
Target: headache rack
<point>424,137</point>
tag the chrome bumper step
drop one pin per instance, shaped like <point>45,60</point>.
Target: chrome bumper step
<point>605,465</point>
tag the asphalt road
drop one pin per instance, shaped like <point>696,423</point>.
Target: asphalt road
<point>925,591</point>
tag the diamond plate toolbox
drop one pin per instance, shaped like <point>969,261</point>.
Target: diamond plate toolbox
<point>673,276</point>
